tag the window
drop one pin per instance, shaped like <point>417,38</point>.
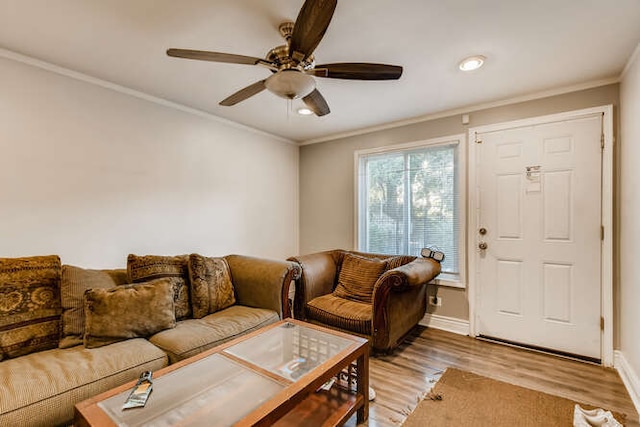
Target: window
<point>409,197</point>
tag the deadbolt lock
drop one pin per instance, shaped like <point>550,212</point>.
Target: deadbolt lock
<point>482,231</point>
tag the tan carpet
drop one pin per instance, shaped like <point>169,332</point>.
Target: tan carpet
<point>464,399</point>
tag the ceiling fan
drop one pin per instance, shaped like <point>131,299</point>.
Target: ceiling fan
<point>293,64</point>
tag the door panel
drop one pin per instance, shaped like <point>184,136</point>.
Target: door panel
<point>509,287</point>
<point>558,282</point>
<point>556,199</point>
<point>509,204</point>
<point>540,198</point>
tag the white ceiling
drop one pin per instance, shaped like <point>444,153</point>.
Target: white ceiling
<point>531,46</point>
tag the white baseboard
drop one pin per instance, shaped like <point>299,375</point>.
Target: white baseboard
<point>449,324</point>
<point>629,377</point>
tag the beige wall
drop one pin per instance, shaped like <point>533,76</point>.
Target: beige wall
<point>630,217</point>
<point>93,174</point>
<point>327,173</point>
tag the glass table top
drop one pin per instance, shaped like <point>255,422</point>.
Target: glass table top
<point>214,391</point>
<point>290,350</point>
<point>219,390</point>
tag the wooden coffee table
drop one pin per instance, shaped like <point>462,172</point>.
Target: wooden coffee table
<point>273,376</point>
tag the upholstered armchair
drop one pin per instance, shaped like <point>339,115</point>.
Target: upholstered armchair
<point>380,297</point>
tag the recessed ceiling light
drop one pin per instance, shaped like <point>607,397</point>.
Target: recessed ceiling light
<point>472,63</point>
<point>305,111</point>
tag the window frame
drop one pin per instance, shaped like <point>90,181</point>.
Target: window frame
<point>450,280</point>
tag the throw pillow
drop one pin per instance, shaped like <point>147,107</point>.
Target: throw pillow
<point>357,277</point>
<point>211,285</point>
<point>128,311</point>
<point>149,267</point>
<point>29,305</point>
<point>75,281</point>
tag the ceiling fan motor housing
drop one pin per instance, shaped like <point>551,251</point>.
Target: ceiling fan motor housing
<point>281,56</point>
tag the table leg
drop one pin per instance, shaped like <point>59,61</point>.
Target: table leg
<point>363,385</point>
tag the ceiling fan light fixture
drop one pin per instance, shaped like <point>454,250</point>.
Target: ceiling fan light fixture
<point>290,84</point>
<point>305,111</point>
<point>472,63</point>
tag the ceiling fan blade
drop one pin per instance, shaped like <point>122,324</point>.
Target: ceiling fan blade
<point>318,72</point>
<point>205,55</point>
<point>360,71</point>
<point>311,24</point>
<point>316,103</point>
<point>243,94</point>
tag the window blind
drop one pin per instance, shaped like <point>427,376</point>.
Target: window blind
<point>409,200</point>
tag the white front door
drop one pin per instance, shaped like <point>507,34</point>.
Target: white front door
<point>539,276</point>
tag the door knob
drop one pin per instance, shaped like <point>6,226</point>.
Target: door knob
<point>483,245</point>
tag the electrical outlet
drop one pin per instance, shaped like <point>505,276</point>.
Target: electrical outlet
<point>434,300</point>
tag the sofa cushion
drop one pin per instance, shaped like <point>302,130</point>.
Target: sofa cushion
<point>29,305</point>
<point>193,336</point>
<point>74,282</point>
<point>128,311</point>
<point>341,313</point>
<point>357,277</point>
<point>149,267</point>
<point>40,389</point>
<point>211,286</point>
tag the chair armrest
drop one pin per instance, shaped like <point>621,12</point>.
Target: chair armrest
<point>399,300</point>
<point>263,283</point>
<point>317,278</point>
<point>418,272</point>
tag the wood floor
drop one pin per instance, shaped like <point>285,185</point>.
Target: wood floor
<point>401,379</point>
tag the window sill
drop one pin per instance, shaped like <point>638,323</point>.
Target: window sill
<point>448,280</point>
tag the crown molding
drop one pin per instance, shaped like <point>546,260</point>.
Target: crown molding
<point>632,59</point>
<point>466,110</point>
<point>18,57</point>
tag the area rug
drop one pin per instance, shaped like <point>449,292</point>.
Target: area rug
<point>461,398</point>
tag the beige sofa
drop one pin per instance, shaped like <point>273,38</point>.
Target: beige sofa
<point>41,388</point>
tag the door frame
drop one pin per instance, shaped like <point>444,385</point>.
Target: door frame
<point>606,279</point>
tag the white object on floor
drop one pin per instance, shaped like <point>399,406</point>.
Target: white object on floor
<point>372,393</point>
<point>593,418</point>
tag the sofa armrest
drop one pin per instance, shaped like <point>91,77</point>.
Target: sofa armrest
<point>317,278</point>
<point>263,283</point>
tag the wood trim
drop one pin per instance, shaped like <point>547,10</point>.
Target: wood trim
<point>444,323</point>
<point>292,275</point>
<point>607,243</point>
<point>629,378</point>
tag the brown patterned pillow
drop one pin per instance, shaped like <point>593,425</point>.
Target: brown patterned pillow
<point>29,305</point>
<point>357,277</point>
<point>149,267</point>
<point>128,311</point>
<point>211,286</point>
<point>75,281</point>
